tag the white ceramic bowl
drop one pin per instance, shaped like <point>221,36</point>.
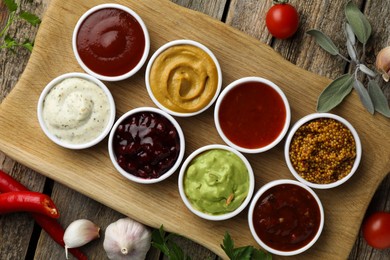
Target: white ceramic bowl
<point>239,83</point>
<point>307,119</point>
<point>262,243</point>
<point>53,137</point>
<point>113,155</point>
<point>116,77</point>
<point>206,215</point>
<point>164,48</point>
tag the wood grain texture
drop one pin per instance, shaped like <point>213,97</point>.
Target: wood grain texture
<point>205,121</point>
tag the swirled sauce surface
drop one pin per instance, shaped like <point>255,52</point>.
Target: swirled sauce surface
<point>110,42</point>
<point>76,111</point>
<point>184,78</point>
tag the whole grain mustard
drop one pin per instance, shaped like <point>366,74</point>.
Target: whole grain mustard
<point>323,151</point>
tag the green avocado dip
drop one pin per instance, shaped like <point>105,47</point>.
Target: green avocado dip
<point>216,182</point>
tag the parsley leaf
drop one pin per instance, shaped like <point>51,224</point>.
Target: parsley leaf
<point>242,253</point>
<point>11,5</point>
<point>165,244</point>
<point>29,17</point>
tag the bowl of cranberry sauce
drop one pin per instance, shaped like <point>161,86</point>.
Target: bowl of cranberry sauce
<point>286,217</point>
<point>252,115</point>
<point>146,145</point>
<point>111,42</point>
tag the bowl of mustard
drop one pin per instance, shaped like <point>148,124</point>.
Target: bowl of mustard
<point>216,182</point>
<point>183,78</point>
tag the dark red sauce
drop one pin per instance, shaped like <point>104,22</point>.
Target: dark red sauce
<point>146,145</point>
<point>252,115</point>
<point>110,42</point>
<point>286,217</point>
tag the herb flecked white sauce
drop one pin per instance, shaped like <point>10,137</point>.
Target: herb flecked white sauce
<point>76,110</point>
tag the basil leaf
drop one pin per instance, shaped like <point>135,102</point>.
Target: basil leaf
<point>364,96</point>
<point>378,98</point>
<point>29,17</point>
<point>11,5</point>
<point>334,93</point>
<point>324,41</point>
<point>359,23</point>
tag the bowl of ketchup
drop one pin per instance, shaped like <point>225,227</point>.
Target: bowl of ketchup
<point>252,115</point>
<point>286,217</point>
<point>111,42</point>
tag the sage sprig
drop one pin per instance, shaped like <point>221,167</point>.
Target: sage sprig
<point>373,99</point>
<point>8,42</point>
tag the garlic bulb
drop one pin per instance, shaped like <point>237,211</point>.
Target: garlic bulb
<point>127,239</point>
<point>79,233</point>
<point>383,63</point>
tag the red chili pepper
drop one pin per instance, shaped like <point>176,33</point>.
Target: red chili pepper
<point>50,225</point>
<point>17,201</point>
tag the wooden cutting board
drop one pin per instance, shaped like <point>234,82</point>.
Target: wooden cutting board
<point>91,172</point>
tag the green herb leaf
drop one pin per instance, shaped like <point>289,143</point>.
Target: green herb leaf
<point>260,255</point>
<point>324,41</point>
<point>228,245</point>
<point>359,23</point>
<point>242,253</point>
<point>364,96</point>
<point>334,93</point>
<point>378,98</point>
<point>29,17</point>
<point>165,244</point>
<point>11,5</point>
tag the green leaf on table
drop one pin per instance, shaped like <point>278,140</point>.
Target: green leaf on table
<point>28,45</point>
<point>381,104</point>
<point>165,244</point>
<point>29,17</point>
<point>359,23</point>
<point>11,5</point>
<point>324,41</point>
<point>364,96</point>
<point>242,253</point>
<point>334,93</point>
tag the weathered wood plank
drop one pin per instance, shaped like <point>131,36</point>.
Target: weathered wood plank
<point>16,229</point>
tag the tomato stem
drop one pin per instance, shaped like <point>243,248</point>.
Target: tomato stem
<point>277,2</point>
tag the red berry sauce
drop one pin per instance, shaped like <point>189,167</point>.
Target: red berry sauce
<point>146,145</point>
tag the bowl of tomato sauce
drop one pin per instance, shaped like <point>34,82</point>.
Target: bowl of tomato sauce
<point>146,145</point>
<point>252,114</point>
<point>286,217</point>
<point>111,42</point>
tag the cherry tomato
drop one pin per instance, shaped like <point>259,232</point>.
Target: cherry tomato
<point>282,20</point>
<point>376,230</point>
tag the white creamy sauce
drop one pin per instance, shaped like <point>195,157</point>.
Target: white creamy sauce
<point>76,110</point>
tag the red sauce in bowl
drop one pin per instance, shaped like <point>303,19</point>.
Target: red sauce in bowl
<point>252,115</point>
<point>110,42</point>
<point>286,217</point>
<point>146,145</point>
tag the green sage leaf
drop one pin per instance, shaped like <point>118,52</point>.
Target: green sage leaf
<point>378,98</point>
<point>359,23</point>
<point>324,41</point>
<point>334,93</point>
<point>29,17</point>
<point>364,96</point>
<point>11,5</point>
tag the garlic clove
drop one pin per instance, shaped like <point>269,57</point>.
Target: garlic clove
<point>79,233</point>
<point>382,63</point>
<point>127,239</point>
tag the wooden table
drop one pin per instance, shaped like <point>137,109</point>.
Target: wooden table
<point>20,238</point>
